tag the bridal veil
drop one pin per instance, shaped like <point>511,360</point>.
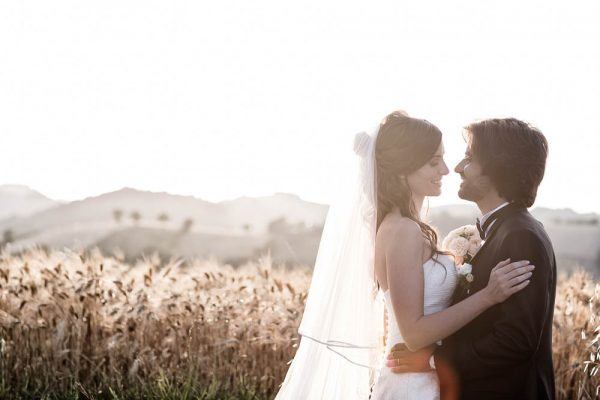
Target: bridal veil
<point>341,331</point>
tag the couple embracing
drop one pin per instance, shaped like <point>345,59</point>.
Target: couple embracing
<point>380,274</point>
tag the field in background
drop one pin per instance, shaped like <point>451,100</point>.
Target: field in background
<point>76,325</point>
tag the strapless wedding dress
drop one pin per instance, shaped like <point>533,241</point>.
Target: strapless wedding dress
<point>439,283</point>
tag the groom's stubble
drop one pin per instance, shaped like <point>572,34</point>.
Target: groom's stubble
<point>475,185</point>
<point>473,190</point>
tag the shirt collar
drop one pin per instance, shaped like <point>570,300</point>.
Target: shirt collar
<point>487,215</point>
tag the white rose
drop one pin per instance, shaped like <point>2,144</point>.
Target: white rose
<point>468,268</point>
<point>466,232</point>
<point>465,269</point>
<point>473,247</point>
<point>471,231</point>
<point>459,246</point>
<point>453,234</point>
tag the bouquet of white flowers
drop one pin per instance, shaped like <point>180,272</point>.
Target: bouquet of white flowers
<point>463,243</point>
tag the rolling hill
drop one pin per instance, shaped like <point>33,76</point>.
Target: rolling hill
<point>20,201</point>
<point>284,225</point>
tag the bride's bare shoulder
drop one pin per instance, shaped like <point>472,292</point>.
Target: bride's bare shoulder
<point>396,226</point>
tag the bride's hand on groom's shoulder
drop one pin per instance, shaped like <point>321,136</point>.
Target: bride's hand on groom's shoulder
<point>506,279</point>
<point>401,359</point>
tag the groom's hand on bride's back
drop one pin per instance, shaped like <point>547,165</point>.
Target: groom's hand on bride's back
<point>401,359</point>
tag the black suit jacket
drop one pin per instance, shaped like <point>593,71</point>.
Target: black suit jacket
<point>506,352</point>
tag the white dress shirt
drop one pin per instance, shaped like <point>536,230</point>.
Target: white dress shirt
<point>487,215</point>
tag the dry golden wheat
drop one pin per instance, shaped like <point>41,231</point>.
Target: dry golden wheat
<point>95,322</point>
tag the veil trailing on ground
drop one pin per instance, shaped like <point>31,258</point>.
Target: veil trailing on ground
<point>342,327</point>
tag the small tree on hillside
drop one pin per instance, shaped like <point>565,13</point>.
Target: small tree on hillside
<point>117,215</point>
<point>187,225</point>
<point>163,218</point>
<point>136,216</point>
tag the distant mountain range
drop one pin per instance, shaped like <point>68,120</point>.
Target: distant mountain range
<point>141,222</point>
<point>136,222</point>
<point>224,217</point>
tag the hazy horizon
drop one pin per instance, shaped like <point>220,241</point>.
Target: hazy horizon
<point>432,202</point>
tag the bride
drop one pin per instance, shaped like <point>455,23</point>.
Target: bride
<point>377,258</point>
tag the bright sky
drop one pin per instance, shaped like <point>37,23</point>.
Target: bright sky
<point>229,98</point>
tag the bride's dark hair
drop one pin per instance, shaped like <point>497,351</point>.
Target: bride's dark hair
<point>403,145</point>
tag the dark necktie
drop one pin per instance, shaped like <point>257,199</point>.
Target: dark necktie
<point>481,231</point>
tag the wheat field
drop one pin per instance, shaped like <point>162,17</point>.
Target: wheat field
<point>85,325</point>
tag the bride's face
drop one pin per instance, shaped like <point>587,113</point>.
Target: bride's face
<point>427,180</point>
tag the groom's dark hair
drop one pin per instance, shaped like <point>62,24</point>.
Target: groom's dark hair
<point>512,154</point>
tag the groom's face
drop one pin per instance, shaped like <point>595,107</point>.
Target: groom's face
<point>475,185</point>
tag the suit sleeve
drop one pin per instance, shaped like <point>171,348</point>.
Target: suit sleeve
<point>516,334</point>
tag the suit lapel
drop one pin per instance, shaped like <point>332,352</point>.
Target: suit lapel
<point>461,293</point>
<point>490,236</point>
<point>502,215</point>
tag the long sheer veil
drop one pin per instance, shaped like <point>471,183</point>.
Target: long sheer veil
<point>341,331</point>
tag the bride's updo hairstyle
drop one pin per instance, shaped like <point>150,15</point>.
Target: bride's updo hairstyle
<point>404,145</point>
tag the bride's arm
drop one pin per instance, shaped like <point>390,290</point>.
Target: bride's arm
<point>404,267</point>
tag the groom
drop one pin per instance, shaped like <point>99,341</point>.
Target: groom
<point>506,352</point>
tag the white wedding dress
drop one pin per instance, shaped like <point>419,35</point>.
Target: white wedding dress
<point>340,353</point>
<point>439,283</point>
